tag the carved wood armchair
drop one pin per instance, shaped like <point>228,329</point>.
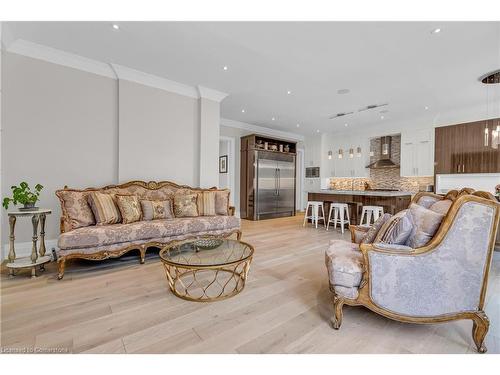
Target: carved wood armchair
<point>444,280</point>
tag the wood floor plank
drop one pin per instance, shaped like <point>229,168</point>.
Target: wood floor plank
<point>121,306</point>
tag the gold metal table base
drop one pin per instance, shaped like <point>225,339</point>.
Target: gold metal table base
<point>207,284</point>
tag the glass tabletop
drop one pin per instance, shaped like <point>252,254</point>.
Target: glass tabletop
<point>206,252</point>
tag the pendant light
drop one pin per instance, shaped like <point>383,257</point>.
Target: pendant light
<point>358,152</point>
<point>330,153</point>
<point>341,153</point>
<point>351,152</point>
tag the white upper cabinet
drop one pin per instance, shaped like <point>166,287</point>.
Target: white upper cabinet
<point>417,153</point>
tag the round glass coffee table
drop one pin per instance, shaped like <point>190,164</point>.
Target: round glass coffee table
<point>207,269</point>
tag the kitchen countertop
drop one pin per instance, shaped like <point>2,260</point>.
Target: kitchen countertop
<point>373,193</point>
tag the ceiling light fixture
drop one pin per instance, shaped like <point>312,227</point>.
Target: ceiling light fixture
<point>273,119</point>
<point>358,152</point>
<point>116,27</point>
<point>225,67</point>
<point>317,131</point>
<point>351,153</point>
<point>345,125</point>
<point>426,108</point>
<point>436,31</point>
<point>298,125</point>
<point>381,117</point>
<point>330,153</point>
<point>242,111</point>
<point>288,92</point>
<point>341,153</point>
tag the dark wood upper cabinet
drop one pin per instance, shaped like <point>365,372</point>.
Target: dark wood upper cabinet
<point>460,149</point>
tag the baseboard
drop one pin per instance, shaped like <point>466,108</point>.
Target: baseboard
<point>23,249</point>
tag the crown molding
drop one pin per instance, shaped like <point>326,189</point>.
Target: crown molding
<point>151,80</point>
<point>114,71</point>
<point>261,130</point>
<point>56,56</point>
<point>207,93</point>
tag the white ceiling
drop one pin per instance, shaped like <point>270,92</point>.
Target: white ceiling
<point>401,63</point>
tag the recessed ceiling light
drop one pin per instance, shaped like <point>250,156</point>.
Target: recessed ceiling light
<point>298,125</point>
<point>345,125</point>
<point>242,111</point>
<point>436,31</point>
<point>116,27</point>
<point>317,131</point>
<point>343,91</point>
<point>288,92</point>
<point>225,67</point>
<point>381,117</point>
<point>273,119</point>
<point>426,108</point>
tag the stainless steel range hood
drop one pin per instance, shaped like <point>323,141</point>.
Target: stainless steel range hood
<point>384,160</point>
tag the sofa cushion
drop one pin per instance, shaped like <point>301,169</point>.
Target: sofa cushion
<point>377,225</point>
<point>94,236</point>
<point>441,207</point>
<point>130,208</point>
<point>77,208</point>
<point>206,203</point>
<point>104,208</point>
<point>344,262</point>
<point>427,201</point>
<point>222,202</point>
<point>399,229</point>
<point>185,205</point>
<point>157,209</point>
<point>425,224</point>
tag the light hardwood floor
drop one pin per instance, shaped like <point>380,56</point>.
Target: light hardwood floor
<point>120,306</point>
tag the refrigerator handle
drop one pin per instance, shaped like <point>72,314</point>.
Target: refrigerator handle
<point>276,181</point>
<point>279,181</point>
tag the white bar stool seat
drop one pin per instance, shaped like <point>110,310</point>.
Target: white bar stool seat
<point>315,217</point>
<point>371,212</point>
<point>340,215</point>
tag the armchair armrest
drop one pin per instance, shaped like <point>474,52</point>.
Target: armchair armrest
<point>358,232</point>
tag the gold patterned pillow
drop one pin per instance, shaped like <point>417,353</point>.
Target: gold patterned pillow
<point>206,203</point>
<point>185,205</point>
<point>222,202</point>
<point>130,208</point>
<point>157,209</point>
<point>104,208</point>
<point>76,207</point>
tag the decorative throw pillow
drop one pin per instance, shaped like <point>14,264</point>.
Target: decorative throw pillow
<point>185,205</point>
<point>77,208</point>
<point>206,203</point>
<point>104,208</point>
<point>399,229</point>
<point>130,208</point>
<point>441,207</point>
<point>154,210</point>
<point>425,224</point>
<point>372,232</point>
<point>222,202</point>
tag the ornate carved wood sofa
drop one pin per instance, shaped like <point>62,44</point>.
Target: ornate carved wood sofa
<point>79,238</point>
<point>444,280</point>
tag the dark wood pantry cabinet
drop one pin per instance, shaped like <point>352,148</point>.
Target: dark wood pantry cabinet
<point>461,149</point>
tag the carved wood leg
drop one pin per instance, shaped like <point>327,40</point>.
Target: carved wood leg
<point>142,251</point>
<point>61,263</point>
<point>238,235</point>
<point>42,249</point>
<point>34,253</point>
<point>338,303</point>
<point>480,327</point>
<point>12,237</point>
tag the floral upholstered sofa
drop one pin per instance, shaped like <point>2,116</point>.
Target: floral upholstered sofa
<point>440,279</point>
<point>81,238</point>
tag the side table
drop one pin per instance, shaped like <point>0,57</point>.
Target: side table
<point>36,258</point>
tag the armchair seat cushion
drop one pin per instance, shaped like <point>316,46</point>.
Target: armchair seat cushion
<point>344,262</point>
<point>95,236</point>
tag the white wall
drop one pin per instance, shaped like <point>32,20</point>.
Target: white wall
<point>59,128</point>
<point>66,126</point>
<point>159,135</point>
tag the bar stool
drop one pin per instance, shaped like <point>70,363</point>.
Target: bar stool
<point>315,206</point>
<point>371,211</point>
<point>340,215</point>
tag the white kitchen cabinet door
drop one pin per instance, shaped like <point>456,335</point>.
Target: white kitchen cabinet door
<point>417,153</point>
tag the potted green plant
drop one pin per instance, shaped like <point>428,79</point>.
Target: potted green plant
<point>22,194</point>
<point>497,191</point>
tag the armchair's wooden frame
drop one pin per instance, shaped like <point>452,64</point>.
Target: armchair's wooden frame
<point>480,319</point>
<point>142,248</point>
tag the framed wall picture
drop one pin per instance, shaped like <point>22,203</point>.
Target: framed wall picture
<point>223,164</point>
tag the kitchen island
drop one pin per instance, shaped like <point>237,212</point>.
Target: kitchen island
<point>392,201</point>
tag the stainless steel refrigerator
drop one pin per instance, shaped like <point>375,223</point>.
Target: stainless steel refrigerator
<point>275,180</point>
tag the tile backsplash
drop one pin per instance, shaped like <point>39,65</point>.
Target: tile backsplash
<point>386,178</point>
